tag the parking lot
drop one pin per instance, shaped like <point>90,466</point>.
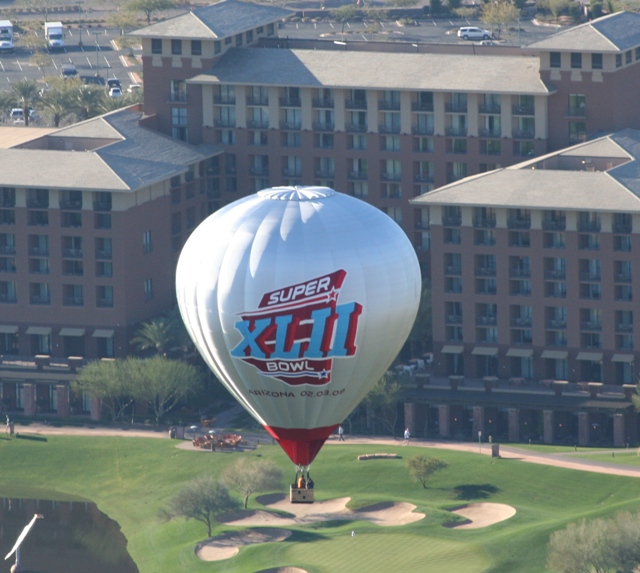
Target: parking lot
<point>92,51</point>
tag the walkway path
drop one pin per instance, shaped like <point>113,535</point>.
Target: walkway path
<point>564,460</point>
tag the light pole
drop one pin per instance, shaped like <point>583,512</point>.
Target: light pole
<point>97,54</point>
<point>479,442</point>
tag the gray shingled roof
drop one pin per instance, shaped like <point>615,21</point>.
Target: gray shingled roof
<point>140,157</point>
<point>343,69</point>
<point>520,186</point>
<point>616,32</point>
<point>536,189</point>
<point>220,20</point>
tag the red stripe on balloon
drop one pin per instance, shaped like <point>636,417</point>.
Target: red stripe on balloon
<point>300,444</point>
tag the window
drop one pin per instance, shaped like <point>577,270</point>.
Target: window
<point>196,47</point>
<point>618,60</point>
<point>178,90</point>
<point>217,47</point>
<point>7,196</point>
<point>577,131</point>
<point>147,243</point>
<point>424,144</point>
<point>72,295</point>
<point>103,248</point>
<point>179,123</point>
<point>390,143</point>
<point>249,36</point>
<point>358,142</point>
<point>104,269</point>
<point>238,40</point>
<point>452,236</point>
<point>359,189</point>
<point>291,140</point>
<point>102,221</point>
<point>176,47</point>
<point>596,61</point>
<point>39,293</point>
<point>156,46</point>
<point>104,296</point>
<point>627,57</point>
<point>555,59</point>
<point>577,105</point>
<point>576,61</point>
<point>148,289</point>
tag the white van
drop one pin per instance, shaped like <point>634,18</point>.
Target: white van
<point>473,33</point>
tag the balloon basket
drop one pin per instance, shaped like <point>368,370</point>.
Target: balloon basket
<point>301,495</point>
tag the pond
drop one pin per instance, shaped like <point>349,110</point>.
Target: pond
<point>73,537</point>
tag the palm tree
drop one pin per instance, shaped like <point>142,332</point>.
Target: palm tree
<point>57,102</point>
<point>26,94</point>
<point>86,100</point>
<point>156,334</point>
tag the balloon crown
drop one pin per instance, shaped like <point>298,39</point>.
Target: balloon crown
<point>309,193</point>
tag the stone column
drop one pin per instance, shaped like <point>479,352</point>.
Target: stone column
<point>514,424</point>
<point>96,408</point>
<point>63,400</point>
<point>29,397</point>
<point>478,421</point>
<point>583,429</point>
<point>410,417</point>
<point>619,434</point>
<point>548,428</point>
<point>444,420</point>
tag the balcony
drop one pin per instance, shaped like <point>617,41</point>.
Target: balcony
<point>386,105</point>
<point>224,122</point>
<point>178,97</point>
<point>554,224</point>
<point>557,323</point>
<point>103,254</point>
<point>291,173</point>
<point>323,126</point>
<point>224,99</point>
<point>73,301</point>
<point>486,320</point>
<point>290,102</point>
<point>486,271</point>
<point>8,298</point>
<point>595,325</point>
<point>38,203</point>
<point>390,176</point>
<point>523,110</point>
<point>451,220</point>
<point>7,250</point>
<point>325,173</point>
<point>290,125</point>
<point>71,205</point>
<point>576,111</point>
<point>40,299</point>
<point>326,103</point>
<point>359,175</point>
<point>421,106</point>
<point>493,133</point>
<point>490,108</point>
<point>623,277</point>
<point>484,222</point>
<point>422,129</point>
<point>519,223</point>
<point>355,104</point>
<point>456,131</point>
<point>589,226</point>
<point>590,276</point>
<point>523,134</point>
<point>356,127</point>
<point>624,327</point>
<point>7,202</point>
<point>455,107</point>
<point>521,321</point>
<point>72,253</point>
<point>262,100</point>
<point>258,123</point>
<point>555,274</point>
<point>622,227</point>
<point>423,178</point>
<point>453,270</point>
<point>519,273</point>
<point>102,205</point>
<point>454,319</point>
<point>386,129</point>
<point>259,171</point>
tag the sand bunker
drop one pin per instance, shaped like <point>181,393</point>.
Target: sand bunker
<point>227,545</point>
<point>384,514</point>
<point>481,515</point>
<point>284,570</point>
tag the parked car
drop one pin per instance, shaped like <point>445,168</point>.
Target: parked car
<point>114,83</point>
<point>473,33</point>
<point>134,88</point>
<point>68,71</point>
<point>115,92</point>
<point>94,80</point>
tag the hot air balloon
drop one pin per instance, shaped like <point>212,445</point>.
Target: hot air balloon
<point>298,299</point>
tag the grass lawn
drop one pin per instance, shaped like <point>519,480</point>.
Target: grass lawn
<point>131,478</point>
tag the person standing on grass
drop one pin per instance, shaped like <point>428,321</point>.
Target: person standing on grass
<point>407,435</point>
<point>340,434</point>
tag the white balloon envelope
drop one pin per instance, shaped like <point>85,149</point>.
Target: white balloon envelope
<point>298,299</point>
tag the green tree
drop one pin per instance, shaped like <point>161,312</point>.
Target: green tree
<point>56,101</point>
<point>41,60</point>
<point>435,7</point>
<point>148,7</point>
<point>251,476</point>
<point>403,3</point>
<point>382,403</point>
<point>85,100</point>
<point>159,335</point>
<point>26,94</point>
<point>161,383</point>
<point>124,20</point>
<point>498,15</point>
<point>421,468</point>
<point>453,5</point>
<point>105,379</point>
<point>201,499</point>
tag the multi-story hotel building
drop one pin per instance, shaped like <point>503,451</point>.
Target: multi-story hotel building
<point>383,125</point>
<point>535,270</point>
<point>92,219</point>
